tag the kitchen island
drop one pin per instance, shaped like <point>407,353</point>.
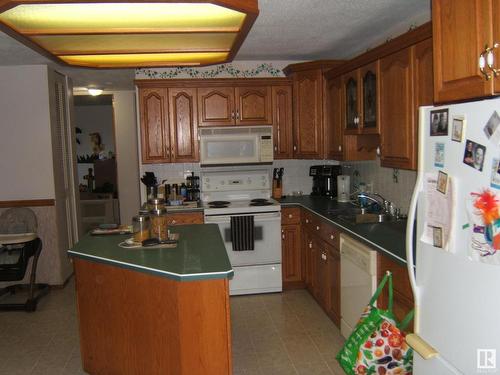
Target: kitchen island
<point>154,311</point>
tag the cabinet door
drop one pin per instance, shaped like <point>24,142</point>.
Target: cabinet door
<point>282,122</point>
<point>183,124</point>
<point>334,284</point>
<point>154,126</point>
<point>253,105</point>
<point>308,98</point>
<point>334,125</point>
<point>351,102</point>
<point>309,256</point>
<point>216,106</point>
<point>321,290</point>
<point>291,256</point>
<point>369,99</point>
<point>396,110</point>
<point>461,29</point>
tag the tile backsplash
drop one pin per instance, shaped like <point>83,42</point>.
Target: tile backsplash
<point>295,178</point>
<point>395,185</point>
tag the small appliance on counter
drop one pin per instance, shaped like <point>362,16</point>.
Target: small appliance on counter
<point>343,188</point>
<point>325,179</point>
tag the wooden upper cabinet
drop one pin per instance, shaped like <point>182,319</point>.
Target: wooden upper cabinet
<point>361,100</point>
<point>253,105</point>
<point>183,114</point>
<point>282,122</point>
<point>335,123</point>
<point>370,108</point>
<point>352,103</point>
<point>308,99</point>
<point>154,125</point>
<point>461,30</point>
<point>396,110</point>
<point>216,106</point>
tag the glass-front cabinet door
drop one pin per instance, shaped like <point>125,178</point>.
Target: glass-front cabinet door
<point>351,103</point>
<point>370,100</point>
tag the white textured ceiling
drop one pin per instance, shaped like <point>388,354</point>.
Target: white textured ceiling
<point>284,30</point>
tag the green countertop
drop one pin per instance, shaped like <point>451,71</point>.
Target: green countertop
<point>200,254</point>
<point>388,238</point>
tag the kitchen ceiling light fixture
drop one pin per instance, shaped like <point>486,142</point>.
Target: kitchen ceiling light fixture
<point>110,34</point>
<point>94,92</point>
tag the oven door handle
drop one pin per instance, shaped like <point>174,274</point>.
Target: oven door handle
<point>222,219</point>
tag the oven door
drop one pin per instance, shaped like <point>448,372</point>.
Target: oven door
<point>229,149</point>
<point>267,240</point>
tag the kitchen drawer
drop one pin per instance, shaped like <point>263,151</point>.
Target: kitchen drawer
<point>330,234</point>
<point>185,218</point>
<point>290,216</point>
<point>311,222</point>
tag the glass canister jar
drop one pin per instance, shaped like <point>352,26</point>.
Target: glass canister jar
<point>141,225</point>
<point>159,225</point>
<point>156,203</point>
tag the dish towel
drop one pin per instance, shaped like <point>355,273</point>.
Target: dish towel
<point>242,233</point>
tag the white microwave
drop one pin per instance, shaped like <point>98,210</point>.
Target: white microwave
<point>236,145</point>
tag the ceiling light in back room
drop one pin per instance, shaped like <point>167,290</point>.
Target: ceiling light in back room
<point>131,34</point>
<point>94,91</point>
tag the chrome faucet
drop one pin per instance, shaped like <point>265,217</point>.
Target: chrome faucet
<point>378,199</point>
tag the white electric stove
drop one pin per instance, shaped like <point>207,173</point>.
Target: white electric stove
<point>227,194</point>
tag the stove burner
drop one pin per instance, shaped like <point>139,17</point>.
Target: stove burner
<point>219,204</point>
<point>265,203</point>
<point>259,200</point>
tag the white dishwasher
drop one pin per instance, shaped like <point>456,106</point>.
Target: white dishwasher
<point>358,281</point>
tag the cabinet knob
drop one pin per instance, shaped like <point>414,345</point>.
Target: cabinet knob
<point>323,256</point>
<point>173,221</point>
<point>294,148</point>
<point>307,221</point>
<point>332,236</point>
<point>232,115</point>
<point>276,148</point>
<point>283,236</point>
<point>310,245</point>
<point>290,216</point>
<point>237,114</point>
<point>317,227</point>
<point>340,147</point>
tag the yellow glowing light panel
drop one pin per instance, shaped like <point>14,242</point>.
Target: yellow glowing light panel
<point>116,17</point>
<point>145,59</point>
<point>113,43</point>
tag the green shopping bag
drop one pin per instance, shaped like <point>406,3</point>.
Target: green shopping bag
<point>377,344</point>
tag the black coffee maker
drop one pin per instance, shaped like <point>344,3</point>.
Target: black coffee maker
<point>325,179</point>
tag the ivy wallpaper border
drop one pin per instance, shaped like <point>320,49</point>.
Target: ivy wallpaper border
<point>264,69</point>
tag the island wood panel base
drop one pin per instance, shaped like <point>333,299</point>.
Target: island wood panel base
<point>136,323</point>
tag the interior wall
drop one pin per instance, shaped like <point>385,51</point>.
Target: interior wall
<point>25,142</point>
<point>394,185</point>
<point>127,159</point>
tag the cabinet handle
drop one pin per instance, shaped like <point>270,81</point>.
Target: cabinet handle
<point>323,256</point>
<point>173,221</point>
<point>232,115</point>
<point>482,64</point>
<point>283,236</point>
<point>294,148</point>
<point>290,216</point>
<point>276,148</point>
<point>490,59</point>
<point>310,245</point>
<point>237,114</point>
<point>340,147</point>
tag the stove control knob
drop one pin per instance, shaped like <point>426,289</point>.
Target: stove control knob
<point>222,182</point>
<point>207,179</point>
<point>207,186</point>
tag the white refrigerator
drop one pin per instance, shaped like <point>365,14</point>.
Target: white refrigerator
<point>455,266</point>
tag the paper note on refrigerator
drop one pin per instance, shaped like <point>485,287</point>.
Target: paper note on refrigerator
<point>439,208</point>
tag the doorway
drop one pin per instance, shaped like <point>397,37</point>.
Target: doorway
<point>96,160</point>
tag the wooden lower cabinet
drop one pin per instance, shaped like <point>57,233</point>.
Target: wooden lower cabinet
<point>333,266</point>
<point>402,292</point>
<point>291,257</point>
<point>180,218</point>
<point>309,256</point>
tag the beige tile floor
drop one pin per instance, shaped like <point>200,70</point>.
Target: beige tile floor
<point>273,334</point>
